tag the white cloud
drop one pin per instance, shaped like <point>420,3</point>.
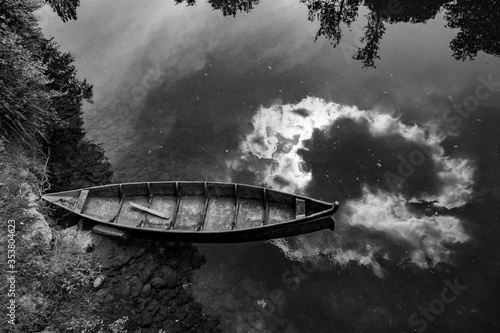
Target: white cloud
<point>280,131</point>
<point>272,148</point>
<point>425,236</point>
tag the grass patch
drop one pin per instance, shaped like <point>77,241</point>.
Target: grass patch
<point>54,278</point>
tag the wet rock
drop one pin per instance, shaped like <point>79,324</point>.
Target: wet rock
<point>140,304</point>
<point>158,317</point>
<point>99,281</point>
<point>158,283</point>
<point>153,307</point>
<point>161,294</point>
<point>182,315</point>
<point>165,300</point>
<point>136,289</point>
<point>146,290</point>
<point>146,273</point>
<point>134,279</point>
<point>163,311</point>
<point>126,290</point>
<point>182,299</point>
<point>174,262</point>
<point>144,319</point>
<point>176,327</point>
<point>169,294</point>
<point>169,276</point>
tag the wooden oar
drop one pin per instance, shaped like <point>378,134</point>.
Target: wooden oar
<point>149,210</point>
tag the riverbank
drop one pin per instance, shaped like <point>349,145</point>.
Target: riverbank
<point>72,280</point>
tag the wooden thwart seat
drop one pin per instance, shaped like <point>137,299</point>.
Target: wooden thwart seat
<point>300,208</point>
<point>82,199</point>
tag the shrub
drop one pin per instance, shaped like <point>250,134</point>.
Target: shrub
<point>25,99</point>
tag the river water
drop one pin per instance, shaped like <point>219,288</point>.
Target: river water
<point>374,108</point>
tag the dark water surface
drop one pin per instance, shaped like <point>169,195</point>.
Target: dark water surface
<point>405,136</point>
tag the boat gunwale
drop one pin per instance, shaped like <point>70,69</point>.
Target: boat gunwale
<point>191,182</point>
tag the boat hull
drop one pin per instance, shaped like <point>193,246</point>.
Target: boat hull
<point>198,212</point>
<point>234,236</point>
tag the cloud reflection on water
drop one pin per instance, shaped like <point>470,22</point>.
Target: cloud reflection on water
<point>342,153</point>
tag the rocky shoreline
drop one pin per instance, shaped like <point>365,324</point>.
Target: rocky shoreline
<point>149,282</point>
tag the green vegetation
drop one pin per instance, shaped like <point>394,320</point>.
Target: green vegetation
<point>25,98</point>
<point>41,100</point>
<point>42,147</point>
<point>54,274</point>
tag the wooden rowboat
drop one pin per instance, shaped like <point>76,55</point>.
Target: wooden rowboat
<point>199,212</point>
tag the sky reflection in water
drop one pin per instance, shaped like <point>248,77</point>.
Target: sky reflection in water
<point>186,93</point>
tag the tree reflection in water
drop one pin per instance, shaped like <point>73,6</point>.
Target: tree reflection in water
<point>479,27</point>
<point>476,20</point>
<point>228,7</point>
<point>479,30</point>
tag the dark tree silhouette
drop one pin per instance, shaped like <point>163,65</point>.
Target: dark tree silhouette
<point>231,7</point>
<point>479,27</point>
<point>227,7</point>
<point>409,11</point>
<point>331,14</point>
<point>66,9</point>
<point>374,31</point>
<point>383,11</point>
<point>187,2</point>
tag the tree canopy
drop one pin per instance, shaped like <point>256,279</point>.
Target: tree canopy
<point>42,99</point>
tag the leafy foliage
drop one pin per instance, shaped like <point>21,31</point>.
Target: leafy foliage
<point>75,161</point>
<point>228,7</point>
<point>373,34</point>
<point>41,98</point>
<point>66,9</point>
<point>331,14</point>
<point>479,27</point>
<point>53,280</point>
<point>25,98</point>
<point>96,325</point>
